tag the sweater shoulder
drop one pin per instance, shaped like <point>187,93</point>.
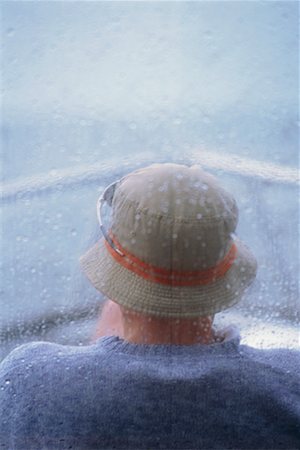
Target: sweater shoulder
<point>25,354</point>
<point>282,359</point>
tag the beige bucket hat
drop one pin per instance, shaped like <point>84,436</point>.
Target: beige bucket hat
<point>170,249</point>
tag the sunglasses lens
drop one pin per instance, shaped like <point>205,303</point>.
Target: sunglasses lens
<point>107,198</point>
<point>109,193</point>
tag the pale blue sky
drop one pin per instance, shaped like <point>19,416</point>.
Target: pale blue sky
<point>138,58</point>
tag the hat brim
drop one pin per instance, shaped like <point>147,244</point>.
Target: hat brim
<point>134,292</point>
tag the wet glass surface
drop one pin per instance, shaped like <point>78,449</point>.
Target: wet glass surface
<point>94,90</point>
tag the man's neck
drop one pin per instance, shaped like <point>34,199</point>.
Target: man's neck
<point>140,329</point>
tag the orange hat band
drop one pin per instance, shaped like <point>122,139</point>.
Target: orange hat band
<point>172,277</point>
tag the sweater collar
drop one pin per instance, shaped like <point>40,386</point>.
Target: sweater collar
<point>227,340</point>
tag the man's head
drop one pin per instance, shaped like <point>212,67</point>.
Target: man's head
<point>170,250</point>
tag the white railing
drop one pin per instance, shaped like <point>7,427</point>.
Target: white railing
<point>90,173</point>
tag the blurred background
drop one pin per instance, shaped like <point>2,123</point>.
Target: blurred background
<point>93,90</point>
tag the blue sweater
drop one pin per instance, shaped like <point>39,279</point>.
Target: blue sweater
<point>116,395</point>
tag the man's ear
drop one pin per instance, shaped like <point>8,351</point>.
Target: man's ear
<point>110,322</point>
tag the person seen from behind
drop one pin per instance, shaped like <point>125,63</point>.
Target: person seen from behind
<point>159,374</point>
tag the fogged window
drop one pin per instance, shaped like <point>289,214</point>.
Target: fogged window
<point>92,90</point>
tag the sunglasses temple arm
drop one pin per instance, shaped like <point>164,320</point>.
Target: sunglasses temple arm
<point>102,228</point>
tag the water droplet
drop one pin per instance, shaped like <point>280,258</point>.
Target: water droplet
<point>163,187</point>
<point>199,216</point>
<point>73,232</point>
<point>177,121</point>
<point>207,35</point>
<point>7,382</point>
<point>10,32</point>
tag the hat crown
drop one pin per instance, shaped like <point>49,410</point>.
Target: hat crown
<point>174,216</point>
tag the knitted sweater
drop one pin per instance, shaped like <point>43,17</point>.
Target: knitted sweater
<point>117,395</point>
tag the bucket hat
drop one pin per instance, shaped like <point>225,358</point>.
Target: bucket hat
<point>170,249</point>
